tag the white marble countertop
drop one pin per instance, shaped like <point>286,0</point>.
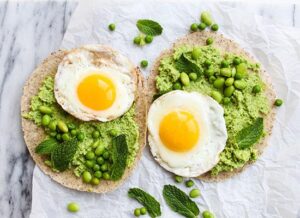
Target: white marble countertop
<point>29,31</point>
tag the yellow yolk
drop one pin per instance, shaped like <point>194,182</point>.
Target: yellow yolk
<point>179,131</point>
<point>96,92</point>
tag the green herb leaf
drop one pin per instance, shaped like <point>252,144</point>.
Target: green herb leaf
<point>46,146</point>
<point>63,154</point>
<point>119,157</point>
<point>250,134</point>
<point>183,64</point>
<point>151,204</point>
<point>149,27</point>
<point>179,202</point>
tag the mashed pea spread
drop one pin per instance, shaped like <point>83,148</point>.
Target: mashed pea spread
<point>125,125</point>
<point>244,108</point>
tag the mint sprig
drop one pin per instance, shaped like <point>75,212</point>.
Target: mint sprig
<point>46,146</point>
<point>119,157</point>
<point>149,27</point>
<point>183,64</point>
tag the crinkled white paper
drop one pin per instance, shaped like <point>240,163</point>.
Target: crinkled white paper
<point>269,188</point>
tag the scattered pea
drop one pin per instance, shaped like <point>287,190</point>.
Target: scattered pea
<point>106,176</point>
<point>202,26</point>
<point>106,155</point>
<point>229,91</point>
<point>144,63</point>
<point>226,100</point>
<point>104,167</point>
<point>215,27</point>
<point>229,81</point>
<point>194,193</point>
<point>178,179</point>
<point>256,89</point>
<point>65,137</point>
<point>52,125</point>
<point>45,110</point>
<point>73,132</point>
<point>95,181</point>
<point>100,160</point>
<point>90,155</point>
<point>212,79</point>
<point>240,84</point>
<point>96,134</point>
<point>193,76</point>
<point>184,78</point>
<point>189,183</point>
<point>113,132</point>
<point>80,136</point>
<point>224,64</point>
<point>73,207</point>
<point>207,214</point>
<point>98,174</point>
<point>217,96</point>
<point>99,150</point>
<point>90,163</point>
<point>236,61</point>
<point>196,53</point>
<point>148,39</point>
<point>86,177</point>
<point>194,27</point>
<point>206,18</point>
<point>278,102</point>
<point>46,120</point>
<point>96,167</point>
<point>226,72</point>
<point>219,83</point>
<point>137,40</point>
<point>143,210</point>
<point>209,41</point>
<point>62,126</point>
<point>112,26</point>
<point>177,86</point>
<point>137,212</point>
<point>241,71</point>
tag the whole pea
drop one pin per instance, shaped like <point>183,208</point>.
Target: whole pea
<point>90,163</point>
<point>98,174</point>
<point>137,40</point>
<point>202,26</point>
<point>90,155</point>
<point>206,18</point>
<point>226,72</point>
<point>99,150</point>
<point>58,137</point>
<point>45,109</point>
<point>219,83</point>
<point>194,27</point>
<point>193,76</point>
<point>177,86</point>
<point>73,207</point>
<point>236,61</point>
<point>184,78</point>
<point>106,155</point>
<point>100,160</point>
<point>148,39</point>
<point>65,137</point>
<point>217,96</point>
<point>226,100</point>
<point>229,81</point>
<point>207,214</point>
<point>96,167</point>
<point>73,132</point>
<point>212,79</point>
<point>224,64</point>
<point>233,72</point>
<point>240,84</point>
<point>209,41</point>
<point>207,63</point>
<point>194,193</point>
<point>95,181</point>
<point>278,102</point>
<point>80,136</point>
<point>104,167</point>
<point>178,179</point>
<point>144,63</point>
<point>112,27</point>
<point>95,144</point>
<point>52,125</point>
<point>96,134</point>
<point>46,120</point>
<point>228,91</point>
<point>62,126</point>
<point>189,183</point>
<point>214,27</point>
<point>241,71</point>
<point>113,132</point>
<point>196,53</point>
<point>86,177</point>
<point>106,176</point>
<point>209,72</point>
<point>256,89</point>
<point>137,212</point>
<point>143,210</point>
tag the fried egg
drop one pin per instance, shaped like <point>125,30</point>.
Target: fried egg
<point>95,82</point>
<point>187,132</point>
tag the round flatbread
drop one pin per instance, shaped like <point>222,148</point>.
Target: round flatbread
<point>226,46</point>
<point>33,134</point>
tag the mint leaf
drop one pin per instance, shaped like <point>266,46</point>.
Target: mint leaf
<point>46,146</point>
<point>63,154</point>
<point>179,202</point>
<point>119,157</point>
<point>149,27</point>
<point>250,134</point>
<point>183,64</point>
<point>151,204</point>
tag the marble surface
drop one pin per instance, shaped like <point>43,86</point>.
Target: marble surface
<point>29,31</point>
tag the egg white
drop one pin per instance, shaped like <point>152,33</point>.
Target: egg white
<point>212,137</point>
<point>94,59</point>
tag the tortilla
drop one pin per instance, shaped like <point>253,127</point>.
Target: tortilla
<point>225,45</point>
<point>33,134</point>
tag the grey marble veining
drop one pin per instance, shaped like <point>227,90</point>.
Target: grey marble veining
<point>29,31</point>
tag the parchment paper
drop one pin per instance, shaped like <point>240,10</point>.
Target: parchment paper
<point>269,188</point>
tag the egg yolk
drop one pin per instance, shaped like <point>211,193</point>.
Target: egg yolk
<point>179,131</point>
<point>96,92</point>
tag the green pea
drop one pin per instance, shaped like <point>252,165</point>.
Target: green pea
<point>202,26</point>
<point>90,155</point>
<point>233,72</point>
<point>112,27</point>
<point>95,144</point>
<point>80,136</point>
<point>86,177</point>
<point>229,81</point>
<point>144,63</point>
<point>98,174</point>
<point>226,100</point>
<point>90,163</point>
<point>212,79</point>
<point>194,27</point>
<point>189,183</point>
<point>194,193</point>
<point>46,120</point>
<point>184,78</point>
<point>137,212</point>
<point>113,132</point>
<point>215,27</point>
<point>137,40</point>
<point>219,83</point>
<point>95,181</point>
<point>45,110</point>
<point>240,84</point>
<point>65,137</point>
<point>226,72</point>
<point>217,72</point>
<point>224,64</point>
<point>228,91</point>
<point>96,167</point>
<point>177,86</point>
<point>106,155</point>
<point>241,71</point>
<point>62,126</point>
<point>206,18</point>
<point>193,76</point>
<point>256,89</point>
<point>196,53</point>
<point>73,132</point>
<point>207,214</point>
<point>143,210</point>
<point>207,63</point>
<point>278,102</point>
<point>148,39</point>
<point>209,41</point>
<point>209,72</point>
<point>100,160</point>
<point>178,179</point>
<point>217,96</point>
<point>236,61</point>
<point>96,134</point>
<point>71,126</point>
<point>99,150</point>
<point>58,137</point>
<point>73,207</point>
<point>106,176</point>
<point>52,125</point>
<point>104,167</point>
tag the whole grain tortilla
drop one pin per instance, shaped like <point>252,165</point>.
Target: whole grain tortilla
<point>33,134</point>
<point>225,46</point>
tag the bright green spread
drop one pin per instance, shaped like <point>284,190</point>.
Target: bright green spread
<point>125,125</point>
<point>246,108</point>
